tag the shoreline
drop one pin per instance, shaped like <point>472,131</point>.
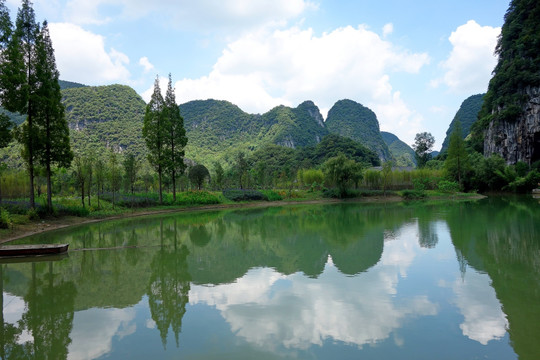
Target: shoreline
<point>49,224</point>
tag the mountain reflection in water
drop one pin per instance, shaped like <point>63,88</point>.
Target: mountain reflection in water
<point>303,281</point>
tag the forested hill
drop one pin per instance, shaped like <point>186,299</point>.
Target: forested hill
<point>351,119</point>
<point>466,115</point>
<point>111,117</point>
<point>402,153</point>
<point>219,129</point>
<point>105,116</point>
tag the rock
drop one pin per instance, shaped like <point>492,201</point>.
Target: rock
<point>517,140</point>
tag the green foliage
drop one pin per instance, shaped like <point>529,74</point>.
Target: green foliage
<point>524,184</point>
<point>413,194</point>
<point>198,174</point>
<point>5,219</point>
<point>466,116</point>
<point>448,186</point>
<point>402,153</point>
<point>271,195</point>
<point>350,119</point>
<point>244,195</point>
<point>457,162</point>
<point>102,117</point>
<point>518,67</point>
<point>342,172</point>
<point>5,130</point>
<point>423,143</point>
<point>33,214</point>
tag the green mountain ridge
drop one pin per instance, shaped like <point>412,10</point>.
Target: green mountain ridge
<point>466,115</point>
<point>355,121</point>
<point>402,153</point>
<point>111,117</point>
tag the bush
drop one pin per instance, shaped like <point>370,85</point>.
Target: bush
<point>413,194</point>
<point>70,210</point>
<point>196,198</point>
<point>244,195</point>
<point>5,219</point>
<point>32,214</point>
<point>448,186</point>
<point>271,195</point>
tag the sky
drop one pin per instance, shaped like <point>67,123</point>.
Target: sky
<point>411,62</point>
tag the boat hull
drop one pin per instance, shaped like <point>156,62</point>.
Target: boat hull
<point>32,250</point>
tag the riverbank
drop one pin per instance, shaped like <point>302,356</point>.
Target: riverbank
<point>21,230</point>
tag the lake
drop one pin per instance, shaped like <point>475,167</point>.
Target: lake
<point>448,280</point>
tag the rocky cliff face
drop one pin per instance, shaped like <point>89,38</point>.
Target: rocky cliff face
<point>518,140</point>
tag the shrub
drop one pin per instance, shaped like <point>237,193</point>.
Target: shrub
<point>196,198</point>
<point>244,195</point>
<point>448,186</point>
<point>5,219</point>
<point>271,195</point>
<point>413,194</point>
<point>32,214</point>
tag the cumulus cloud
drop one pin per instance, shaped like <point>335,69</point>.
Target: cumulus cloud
<point>388,29</point>
<point>268,68</point>
<point>471,61</point>
<point>81,56</point>
<point>201,14</point>
<point>146,64</point>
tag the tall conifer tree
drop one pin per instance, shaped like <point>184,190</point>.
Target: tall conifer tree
<point>457,161</point>
<point>154,133</point>
<point>18,83</point>
<point>54,146</point>
<point>176,137</point>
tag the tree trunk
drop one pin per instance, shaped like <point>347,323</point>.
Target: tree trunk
<point>173,175</point>
<point>82,193</point>
<point>49,189</point>
<point>160,191</point>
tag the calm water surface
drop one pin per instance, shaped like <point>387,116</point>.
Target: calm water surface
<point>342,281</point>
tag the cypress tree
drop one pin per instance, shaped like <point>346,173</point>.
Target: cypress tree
<point>50,120</point>
<point>154,133</point>
<point>18,82</point>
<point>457,161</point>
<point>176,137</point>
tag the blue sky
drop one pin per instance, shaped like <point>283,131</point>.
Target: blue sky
<point>412,62</point>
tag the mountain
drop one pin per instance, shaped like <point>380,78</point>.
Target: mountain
<point>401,152</point>
<point>509,122</point>
<point>350,119</point>
<point>466,115</point>
<point>69,84</point>
<point>219,129</point>
<point>105,116</point>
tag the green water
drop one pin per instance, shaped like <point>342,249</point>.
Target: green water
<point>341,281</point>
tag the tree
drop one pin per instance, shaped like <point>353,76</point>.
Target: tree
<point>80,175</point>
<point>218,178</point>
<point>423,143</point>
<point>386,175</point>
<point>114,174</point>
<point>54,147</point>
<point>197,175</point>
<point>457,161</point>
<point>5,130</point>
<point>341,171</point>
<point>18,82</point>
<point>100,177</point>
<point>131,168</point>
<point>154,133</point>
<point>176,137</point>
<point>241,167</point>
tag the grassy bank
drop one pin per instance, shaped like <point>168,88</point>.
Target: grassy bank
<point>22,221</point>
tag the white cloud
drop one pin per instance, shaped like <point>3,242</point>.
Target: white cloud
<point>388,29</point>
<point>81,56</point>
<point>469,65</point>
<point>275,311</point>
<point>201,14</point>
<point>86,343</point>
<point>268,68</point>
<point>146,64</point>
<point>483,318</point>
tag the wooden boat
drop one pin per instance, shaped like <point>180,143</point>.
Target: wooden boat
<point>32,250</point>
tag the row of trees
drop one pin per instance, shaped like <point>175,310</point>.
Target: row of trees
<point>165,136</point>
<point>29,86</point>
